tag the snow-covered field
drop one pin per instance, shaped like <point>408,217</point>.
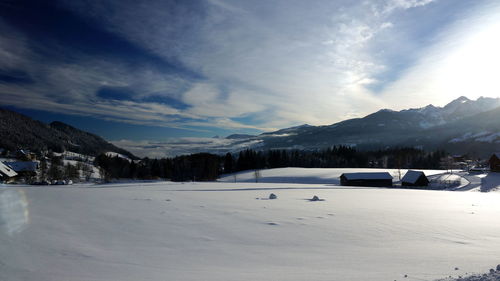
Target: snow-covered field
<point>231,231</point>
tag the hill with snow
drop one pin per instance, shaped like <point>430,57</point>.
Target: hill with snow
<point>20,131</point>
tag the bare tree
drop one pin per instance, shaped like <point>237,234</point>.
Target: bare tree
<point>257,175</point>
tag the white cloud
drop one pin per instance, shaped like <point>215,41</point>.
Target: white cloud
<point>406,4</point>
<point>208,101</point>
<point>277,64</point>
<point>392,5</point>
<point>13,49</point>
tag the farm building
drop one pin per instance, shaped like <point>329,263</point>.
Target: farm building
<point>495,162</point>
<point>414,178</point>
<point>6,172</point>
<point>381,179</point>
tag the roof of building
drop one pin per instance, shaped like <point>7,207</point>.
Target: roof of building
<point>412,176</point>
<point>6,170</point>
<point>497,154</point>
<point>23,166</point>
<point>367,176</point>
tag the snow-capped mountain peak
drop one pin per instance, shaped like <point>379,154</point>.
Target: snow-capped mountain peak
<point>463,107</point>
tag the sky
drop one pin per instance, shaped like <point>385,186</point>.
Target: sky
<point>138,70</point>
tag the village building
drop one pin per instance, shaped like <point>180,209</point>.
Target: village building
<point>6,172</point>
<point>414,178</point>
<point>380,179</point>
<point>458,158</point>
<point>495,162</point>
<point>24,168</point>
<point>21,155</point>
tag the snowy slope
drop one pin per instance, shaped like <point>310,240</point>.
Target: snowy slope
<point>225,231</point>
<point>115,154</point>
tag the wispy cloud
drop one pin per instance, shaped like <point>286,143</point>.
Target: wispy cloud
<point>236,64</point>
<point>404,4</point>
<point>300,60</point>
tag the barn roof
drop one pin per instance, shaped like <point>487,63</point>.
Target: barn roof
<point>412,176</point>
<point>23,166</point>
<point>497,154</point>
<point>6,170</point>
<point>367,176</point>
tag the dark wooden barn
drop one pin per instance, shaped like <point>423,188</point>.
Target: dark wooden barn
<point>495,162</point>
<point>414,178</point>
<point>382,179</point>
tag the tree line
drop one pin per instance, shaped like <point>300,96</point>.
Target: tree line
<point>53,168</point>
<point>207,167</point>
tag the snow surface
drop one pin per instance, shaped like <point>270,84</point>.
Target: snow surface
<point>70,155</point>
<point>116,154</point>
<point>490,182</point>
<point>231,231</point>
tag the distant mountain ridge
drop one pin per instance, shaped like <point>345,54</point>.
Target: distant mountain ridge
<point>428,127</point>
<point>459,108</point>
<point>461,126</point>
<point>18,131</point>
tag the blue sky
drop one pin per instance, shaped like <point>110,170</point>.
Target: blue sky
<point>152,70</point>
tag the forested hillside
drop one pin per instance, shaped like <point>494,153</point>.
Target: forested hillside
<point>18,131</point>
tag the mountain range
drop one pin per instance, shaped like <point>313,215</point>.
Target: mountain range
<point>462,126</point>
<point>18,131</point>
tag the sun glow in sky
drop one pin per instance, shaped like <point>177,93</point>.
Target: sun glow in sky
<point>472,68</point>
<point>138,70</point>
<point>464,64</point>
